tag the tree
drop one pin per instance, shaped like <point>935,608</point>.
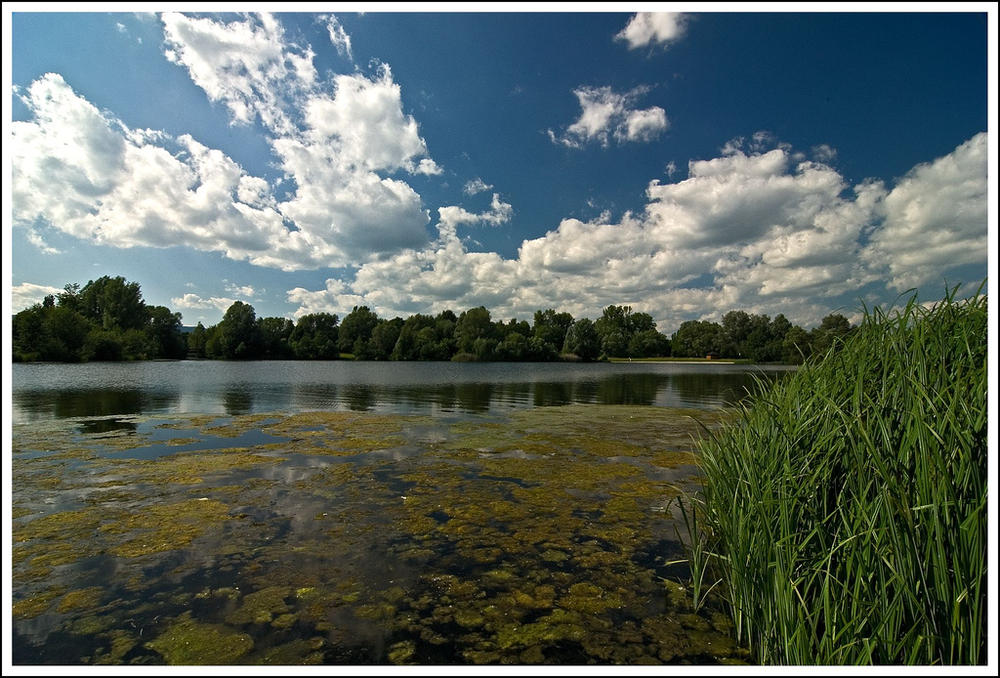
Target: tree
<point>444,326</point>
<point>415,332</point>
<point>46,332</point>
<point>484,349</point>
<point>833,329</point>
<point>612,330</point>
<point>166,339</point>
<point>356,325</point>
<point>513,347</point>
<point>238,334</point>
<point>648,343</point>
<point>473,325</point>
<point>582,340</point>
<point>796,346</point>
<point>736,327</point>
<point>275,334</point>
<point>384,338</point>
<point>697,339</point>
<point>112,303</point>
<point>315,337</point>
<point>69,297</point>
<point>551,327</point>
<point>196,341</point>
<point>617,327</point>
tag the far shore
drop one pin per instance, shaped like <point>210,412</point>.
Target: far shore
<point>679,361</point>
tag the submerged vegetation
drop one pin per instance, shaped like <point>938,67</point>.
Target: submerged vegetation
<point>538,537</point>
<point>108,319</point>
<point>845,511</point>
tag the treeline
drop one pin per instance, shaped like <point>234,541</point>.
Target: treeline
<point>108,319</point>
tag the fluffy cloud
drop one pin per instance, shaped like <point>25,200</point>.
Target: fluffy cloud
<point>35,238</point>
<point>194,301</point>
<point>28,294</point>
<point>361,124</point>
<point>89,176</point>
<point>609,115</point>
<point>244,64</point>
<point>935,217</point>
<point>767,231</point>
<point>477,185</point>
<point>84,172</point>
<point>646,28</point>
<point>453,216</point>
<point>242,291</point>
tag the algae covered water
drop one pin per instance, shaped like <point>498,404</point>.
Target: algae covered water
<point>525,520</point>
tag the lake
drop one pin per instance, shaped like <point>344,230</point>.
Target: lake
<point>45,391</point>
<point>289,513</point>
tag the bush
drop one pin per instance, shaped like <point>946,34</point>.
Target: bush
<point>846,509</point>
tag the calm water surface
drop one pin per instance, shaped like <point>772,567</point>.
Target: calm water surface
<point>360,513</point>
<point>46,391</point>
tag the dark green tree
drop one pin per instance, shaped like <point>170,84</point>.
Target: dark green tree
<point>796,346</point>
<point>238,334</point>
<point>315,337</point>
<point>697,339</point>
<point>417,335</point>
<point>484,349</point>
<point>473,325</point>
<point>275,335</point>
<point>582,340</point>
<point>113,304</point>
<point>384,338</point>
<point>356,325</point>
<point>49,332</point>
<point>833,329</point>
<point>196,341</point>
<point>551,327</point>
<point>444,327</point>
<point>736,327</point>
<point>164,332</point>
<point>648,344</point>
<point>68,298</point>
<point>513,347</point>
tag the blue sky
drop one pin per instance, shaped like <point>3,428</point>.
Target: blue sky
<point>684,164</point>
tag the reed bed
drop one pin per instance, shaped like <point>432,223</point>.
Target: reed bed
<point>844,514</point>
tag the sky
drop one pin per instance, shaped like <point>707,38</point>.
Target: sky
<point>683,163</point>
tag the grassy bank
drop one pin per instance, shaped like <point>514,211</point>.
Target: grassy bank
<point>845,512</point>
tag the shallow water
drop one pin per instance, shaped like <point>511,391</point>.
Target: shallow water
<point>519,535</point>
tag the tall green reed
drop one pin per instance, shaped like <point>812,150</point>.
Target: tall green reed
<point>845,509</point>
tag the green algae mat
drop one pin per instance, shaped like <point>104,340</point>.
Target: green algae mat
<point>546,536</point>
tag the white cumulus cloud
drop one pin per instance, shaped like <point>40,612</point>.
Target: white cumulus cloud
<point>606,115</point>
<point>646,28</point>
<point>935,218</point>
<point>194,301</point>
<point>766,231</point>
<point>452,216</point>
<point>82,171</point>
<point>246,65</point>
<point>476,185</point>
<point>28,294</point>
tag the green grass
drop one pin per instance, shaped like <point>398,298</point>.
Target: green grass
<point>844,512</point>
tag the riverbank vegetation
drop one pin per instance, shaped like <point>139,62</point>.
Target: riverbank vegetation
<point>107,319</point>
<point>843,515</point>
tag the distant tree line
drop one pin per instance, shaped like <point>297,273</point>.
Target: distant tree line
<point>107,319</point>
